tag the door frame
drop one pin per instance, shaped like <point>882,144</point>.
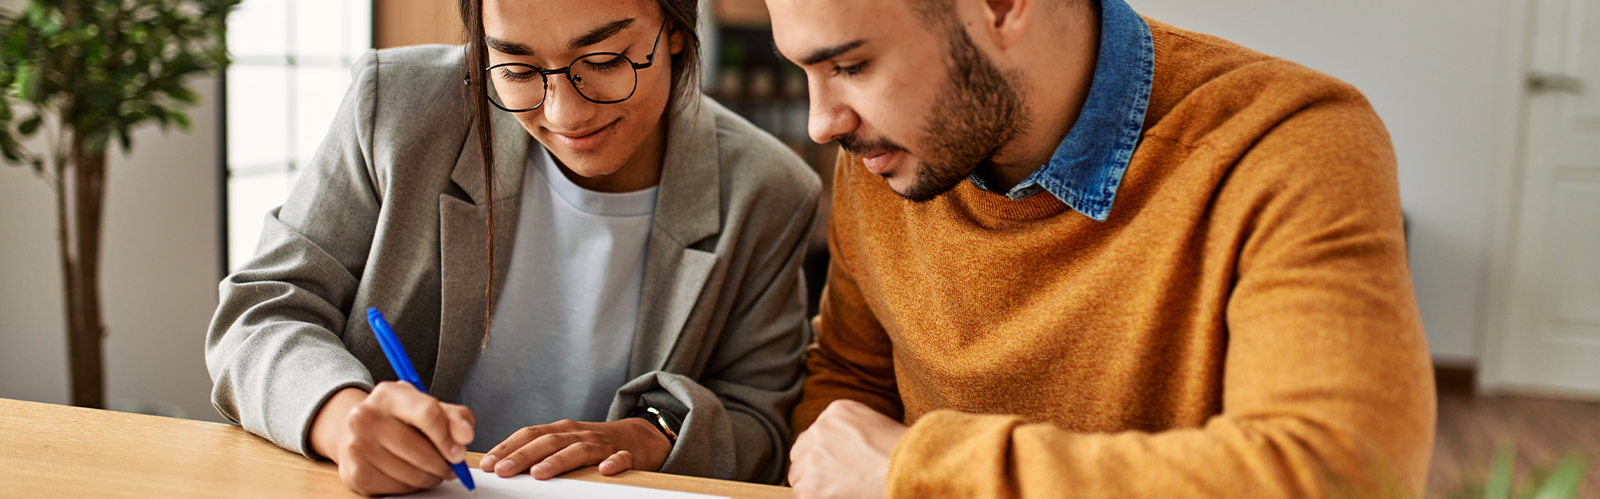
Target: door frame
<point>1504,229</point>
<point>1506,205</point>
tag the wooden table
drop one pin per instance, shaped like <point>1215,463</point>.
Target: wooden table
<point>51,450</point>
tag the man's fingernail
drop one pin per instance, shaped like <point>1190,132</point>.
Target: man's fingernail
<point>487,461</point>
<point>458,454</point>
<point>541,468</point>
<point>504,465</point>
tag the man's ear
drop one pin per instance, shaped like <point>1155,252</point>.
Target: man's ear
<point>1007,20</point>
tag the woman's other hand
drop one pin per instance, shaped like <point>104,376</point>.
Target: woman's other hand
<point>545,451</point>
<point>392,441</point>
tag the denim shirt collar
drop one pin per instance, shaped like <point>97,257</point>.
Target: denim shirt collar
<point>1087,167</point>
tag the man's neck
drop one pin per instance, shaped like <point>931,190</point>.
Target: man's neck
<point>1057,73</point>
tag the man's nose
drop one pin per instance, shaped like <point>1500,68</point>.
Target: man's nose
<point>829,117</point>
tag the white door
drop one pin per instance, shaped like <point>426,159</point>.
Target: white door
<point>1548,339</point>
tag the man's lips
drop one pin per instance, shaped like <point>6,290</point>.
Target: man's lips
<point>879,162</point>
<point>586,140</point>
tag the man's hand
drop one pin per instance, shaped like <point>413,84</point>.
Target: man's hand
<point>845,453</point>
<point>392,441</point>
<point>545,451</point>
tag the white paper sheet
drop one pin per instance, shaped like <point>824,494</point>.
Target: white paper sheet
<point>524,486</point>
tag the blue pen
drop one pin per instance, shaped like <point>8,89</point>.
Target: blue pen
<point>402,368</point>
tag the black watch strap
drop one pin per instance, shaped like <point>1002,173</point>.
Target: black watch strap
<point>663,421</point>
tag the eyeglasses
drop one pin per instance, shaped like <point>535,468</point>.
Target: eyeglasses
<point>600,77</point>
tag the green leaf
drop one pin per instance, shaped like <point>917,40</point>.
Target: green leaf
<point>1563,481</point>
<point>182,94</point>
<point>1499,484</point>
<point>181,119</point>
<point>125,140</point>
<point>27,84</point>
<point>28,126</point>
<point>9,148</point>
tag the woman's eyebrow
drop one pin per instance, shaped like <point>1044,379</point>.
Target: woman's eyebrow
<point>597,35</point>
<point>600,34</point>
<point>507,48</point>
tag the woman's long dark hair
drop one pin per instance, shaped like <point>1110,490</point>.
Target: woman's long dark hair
<point>683,17</point>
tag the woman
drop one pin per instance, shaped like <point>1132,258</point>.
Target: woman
<point>645,262</point>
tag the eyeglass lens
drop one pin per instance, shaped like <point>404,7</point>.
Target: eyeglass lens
<point>601,77</point>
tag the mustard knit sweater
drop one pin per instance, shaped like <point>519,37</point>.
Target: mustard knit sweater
<point>1243,325</point>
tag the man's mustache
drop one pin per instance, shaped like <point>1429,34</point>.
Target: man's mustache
<point>854,145</point>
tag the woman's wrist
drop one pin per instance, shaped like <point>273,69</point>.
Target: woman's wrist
<point>329,427</point>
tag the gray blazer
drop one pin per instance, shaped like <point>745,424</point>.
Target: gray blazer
<point>391,212</point>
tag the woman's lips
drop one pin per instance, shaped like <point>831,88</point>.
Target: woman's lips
<point>879,163</point>
<point>586,141</point>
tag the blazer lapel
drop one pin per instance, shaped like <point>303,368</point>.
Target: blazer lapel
<point>688,210</point>
<point>462,247</point>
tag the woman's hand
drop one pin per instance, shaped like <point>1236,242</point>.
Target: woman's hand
<point>545,451</point>
<point>392,441</point>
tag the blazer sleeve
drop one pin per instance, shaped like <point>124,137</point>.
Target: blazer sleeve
<point>274,349</point>
<point>737,424</point>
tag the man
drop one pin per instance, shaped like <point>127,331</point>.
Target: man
<point>1084,253</point>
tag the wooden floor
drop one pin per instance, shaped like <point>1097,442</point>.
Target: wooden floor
<point>1543,430</point>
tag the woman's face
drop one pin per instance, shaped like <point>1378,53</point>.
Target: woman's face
<point>589,138</point>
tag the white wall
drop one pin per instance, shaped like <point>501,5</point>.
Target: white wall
<point>1436,71</point>
<point>160,271</point>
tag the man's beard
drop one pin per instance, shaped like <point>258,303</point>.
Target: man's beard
<point>977,112</point>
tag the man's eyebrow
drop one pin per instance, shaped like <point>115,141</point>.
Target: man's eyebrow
<point>594,36</point>
<point>831,52</point>
<point>600,34</point>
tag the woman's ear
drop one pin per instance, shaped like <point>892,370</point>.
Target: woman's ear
<point>675,40</point>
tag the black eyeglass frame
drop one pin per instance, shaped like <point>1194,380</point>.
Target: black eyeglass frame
<point>544,74</point>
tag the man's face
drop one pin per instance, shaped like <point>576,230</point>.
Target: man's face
<point>912,97</point>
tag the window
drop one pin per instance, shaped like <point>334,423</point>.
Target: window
<point>289,73</point>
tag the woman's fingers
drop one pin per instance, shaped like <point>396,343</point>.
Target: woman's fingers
<point>461,422</point>
<point>368,467</point>
<point>368,480</point>
<point>424,413</point>
<point>400,440</point>
<point>407,444</point>
<point>521,459</point>
<point>404,471</point>
<point>548,450</point>
<point>617,463</point>
<point>574,456</point>
<point>519,439</point>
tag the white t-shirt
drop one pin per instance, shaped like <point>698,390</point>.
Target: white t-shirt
<point>564,320</point>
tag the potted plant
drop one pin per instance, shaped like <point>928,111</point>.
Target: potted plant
<point>85,73</point>
<point>1562,481</point>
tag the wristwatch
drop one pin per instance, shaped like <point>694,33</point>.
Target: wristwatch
<point>664,422</point>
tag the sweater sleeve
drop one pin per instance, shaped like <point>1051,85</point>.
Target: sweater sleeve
<point>852,357</point>
<point>1326,387</point>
